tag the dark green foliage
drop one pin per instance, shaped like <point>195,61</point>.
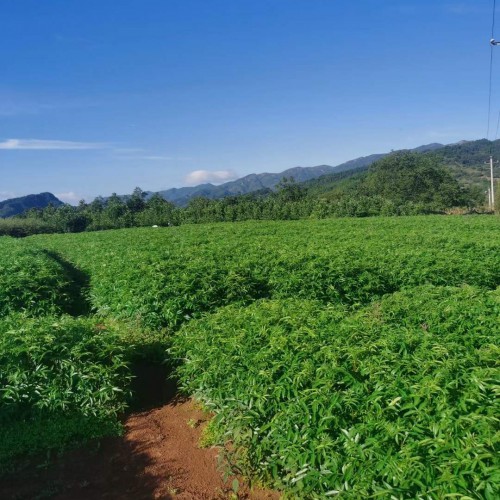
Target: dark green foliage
<point>410,177</point>
<point>157,211</point>
<point>254,183</point>
<point>135,203</point>
<point>31,280</point>
<point>62,380</point>
<point>336,182</point>
<point>465,162</point>
<point>161,276</point>
<point>396,399</point>
<point>288,191</point>
<point>402,183</point>
<point>19,228</point>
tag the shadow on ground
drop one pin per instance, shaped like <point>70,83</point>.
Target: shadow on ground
<point>78,288</point>
<point>151,386</point>
<point>115,468</point>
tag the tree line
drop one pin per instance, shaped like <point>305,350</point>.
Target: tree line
<point>400,184</point>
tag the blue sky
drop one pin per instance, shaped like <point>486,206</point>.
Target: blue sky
<point>103,96</point>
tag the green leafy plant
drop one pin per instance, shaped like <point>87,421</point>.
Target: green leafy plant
<point>396,399</point>
<point>352,357</point>
<point>62,380</point>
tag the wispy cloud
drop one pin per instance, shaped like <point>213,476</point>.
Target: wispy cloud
<point>215,176</point>
<point>43,144</point>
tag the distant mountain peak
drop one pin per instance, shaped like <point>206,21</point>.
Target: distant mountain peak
<point>16,206</point>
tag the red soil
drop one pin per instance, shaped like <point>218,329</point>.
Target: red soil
<point>157,458</point>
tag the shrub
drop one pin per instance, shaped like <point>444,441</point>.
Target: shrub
<point>31,280</point>
<point>62,380</point>
<point>395,400</point>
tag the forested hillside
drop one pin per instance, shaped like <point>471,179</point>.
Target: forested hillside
<point>16,206</point>
<point>466,161</point>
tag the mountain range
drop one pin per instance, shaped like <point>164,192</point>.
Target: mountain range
<point>257,182</point>
<point>466,160</point>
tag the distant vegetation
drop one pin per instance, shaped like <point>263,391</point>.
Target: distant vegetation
<point>348,356</point>
<point>403,183</point>
<point>16,206</point>
<point>468,160</point>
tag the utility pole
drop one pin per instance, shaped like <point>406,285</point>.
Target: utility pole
<point>491,189</point>
<point>492,184</point>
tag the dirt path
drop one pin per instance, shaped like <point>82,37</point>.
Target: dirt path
<point>157,458</point>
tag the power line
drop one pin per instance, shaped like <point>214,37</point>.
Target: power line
<point>493,21</point>
<point>498,126</point>
<point>489,93</point>
<point>492,44</point>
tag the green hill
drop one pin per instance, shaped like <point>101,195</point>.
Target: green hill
<point>466,161</point>
<point>16,206</point>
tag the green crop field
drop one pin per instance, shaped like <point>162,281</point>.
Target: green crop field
<point>355,358</point>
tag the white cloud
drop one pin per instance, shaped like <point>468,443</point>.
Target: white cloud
<point>215,176</point>
<point>38,144</point>
<point>69,197</point>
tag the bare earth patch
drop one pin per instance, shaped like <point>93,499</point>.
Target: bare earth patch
<point>157,458</point>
